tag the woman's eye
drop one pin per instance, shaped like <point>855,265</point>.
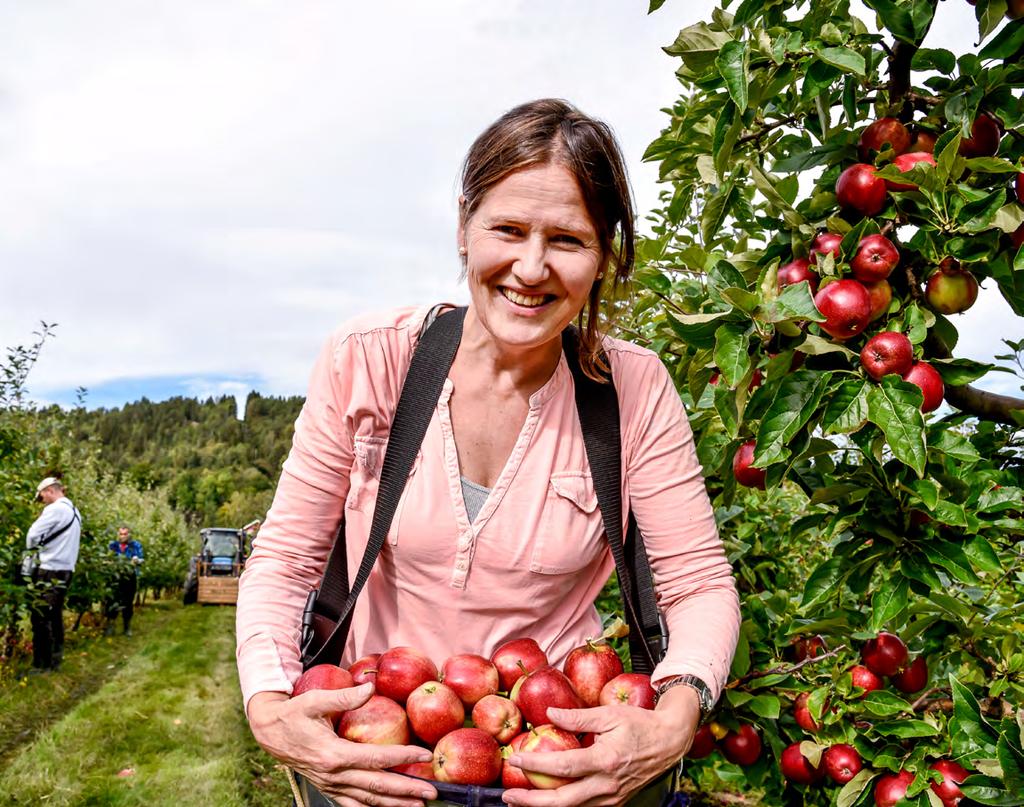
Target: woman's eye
<point>569,239</point>
<point>508,228</point>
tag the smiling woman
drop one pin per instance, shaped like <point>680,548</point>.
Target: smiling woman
<point>498,533</point>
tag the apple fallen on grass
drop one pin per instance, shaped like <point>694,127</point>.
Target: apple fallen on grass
<point>591,666</point>
<point>467,757</point>
<point>498,716</point>
<point>434,710</point>
<point>471,677</point>
<point>400,670</point>
<point>887,353</point>
<point>379,721</point>
<point>548,738</point>
<point>513,656</point>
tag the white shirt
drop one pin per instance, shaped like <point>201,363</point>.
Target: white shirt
<point>61,553</point>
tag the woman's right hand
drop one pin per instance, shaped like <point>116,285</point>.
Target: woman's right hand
<point>299,732</point>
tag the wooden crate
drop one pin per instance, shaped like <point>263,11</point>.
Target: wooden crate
<point>218,590</point>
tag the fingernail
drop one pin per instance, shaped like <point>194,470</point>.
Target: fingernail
<point>427,795</point>
<point>516,760</point>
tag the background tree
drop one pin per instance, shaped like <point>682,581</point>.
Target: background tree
<point>881,572</point>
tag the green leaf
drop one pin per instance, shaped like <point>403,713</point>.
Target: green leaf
<point>655,5</point>
<point>851,792</point>
<point>953,445</point>
<point>732,64</point>
<point>698,46</point>
<point>957,372</point>
<point>847,408</point>
<point>896,18</point>
<point>967,718</point>
<point>981,554</point>
<point>934,59</point>
<point>1011,760</point>
<point>823,581</point>
<point>833,492</point>
<point>725,406</point>
<point>766,706</point>
<point>951,558</point>
<point>992,165</point>
<point>1004,44</point>
<point>794,304</point>
<point>732,345</point>
<point>817,346</point>
<point>845,59</point>
<point>997,500</point>
<point>697,329</point>
<point>766,185</point>
<point>927,491</point>
<point>727,130</point>
<point>917,324</point>
<point>715,212</point>
<point>883,703</point>
<point>810,158</point>
<point>895,406</point>
<point>796,400</point>
<point>906,728</point>
<point>919,570</point>
<point>888,601</point>
<point>741,659</point>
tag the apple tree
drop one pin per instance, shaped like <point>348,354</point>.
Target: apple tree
<point>835,192</point>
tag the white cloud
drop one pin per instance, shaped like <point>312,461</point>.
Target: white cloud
<point>206,189</point>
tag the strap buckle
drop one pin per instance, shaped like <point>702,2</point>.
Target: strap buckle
<point>308,614</point>
<point>658,642</point>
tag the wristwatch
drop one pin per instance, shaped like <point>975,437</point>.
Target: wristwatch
<point>707,703</point>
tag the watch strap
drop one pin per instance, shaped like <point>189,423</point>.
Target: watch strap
<point>704,698</point>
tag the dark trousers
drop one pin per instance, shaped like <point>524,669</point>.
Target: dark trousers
<point>47,615</point>
<point>124,600</point>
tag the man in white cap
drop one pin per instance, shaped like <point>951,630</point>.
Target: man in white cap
<point>52,541</point>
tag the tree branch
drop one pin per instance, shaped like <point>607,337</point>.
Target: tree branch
<point>983,405</point>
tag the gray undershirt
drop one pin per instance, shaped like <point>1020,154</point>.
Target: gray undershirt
<point>474,496</point>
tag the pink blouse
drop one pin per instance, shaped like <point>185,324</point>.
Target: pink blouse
<point>535,558</point>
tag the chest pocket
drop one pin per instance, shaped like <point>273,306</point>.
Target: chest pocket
<point>365,475</point>
<point>570,532</point>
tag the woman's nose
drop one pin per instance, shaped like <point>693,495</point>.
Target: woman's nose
<point>532,266</point>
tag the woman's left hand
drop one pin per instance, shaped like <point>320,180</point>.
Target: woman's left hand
<point>632,747</point>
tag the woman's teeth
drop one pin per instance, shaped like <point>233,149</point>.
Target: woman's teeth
<point>522,299</point>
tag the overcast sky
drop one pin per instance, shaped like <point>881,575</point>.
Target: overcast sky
<point>199,192</point>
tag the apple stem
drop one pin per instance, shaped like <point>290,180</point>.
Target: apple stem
<point>519,663</point>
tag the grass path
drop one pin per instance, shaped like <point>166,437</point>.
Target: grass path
<point>163,709</point>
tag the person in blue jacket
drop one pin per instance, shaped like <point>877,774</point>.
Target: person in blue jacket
<point>127,548</point>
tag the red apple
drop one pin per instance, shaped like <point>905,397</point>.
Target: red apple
<point>1017,237</point>
<point>875,258</point>
<point>379,721</point>
<point>823,244</point>
<point>400,670</point>
<point>471,676</point>
<point>930,382</point>
<point>629,689</point>
<point>922,140</point>
<point>591,666</point>
<point>865,679</point>
<point>859,189</point>
<point>322,676</point>
<point>422,770</point>
<point>743,470</point>
<point>796,271</point>
<point>797,768</point>
<point>891,788</point>
<point>1018,186</point>
<point>846,306</point>
<point>884,133</point>
<point>841,763</point>
<point>511,655</point>
<point>886,353</point>
<point>880,295</point>
<point>498,716</point>
<point>952,775</point>
<point>809,648</point>
<point>886,654</point>
<point>742,747</point>
<point>467,757</point>
<point>546,739</point>
<point>543,688</point>
<point>364,671</point>
<point>511,776</point>
<point>1014,9</point>
<point>984,139</point>
<point>913,679</point>
<point>804,718</point>
<point>905,162</point>
<point>950,289</point>
<point>434,710</point>
<point>703,743</point>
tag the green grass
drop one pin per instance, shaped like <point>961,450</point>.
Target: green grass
<point>164,704</point>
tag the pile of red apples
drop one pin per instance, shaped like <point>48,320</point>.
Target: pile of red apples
<point>475,712</point>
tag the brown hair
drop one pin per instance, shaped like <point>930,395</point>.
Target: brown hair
<point>553,131</point>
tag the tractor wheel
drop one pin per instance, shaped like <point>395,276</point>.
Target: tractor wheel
<point>191,590</point>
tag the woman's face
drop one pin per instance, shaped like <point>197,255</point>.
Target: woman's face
<point>532,256</point>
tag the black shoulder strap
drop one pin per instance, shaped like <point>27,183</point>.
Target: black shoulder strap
<point>598,407</point>
<point>329,610</point>
<point>53,536</point>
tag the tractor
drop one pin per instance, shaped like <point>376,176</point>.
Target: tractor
<point>213,573</point>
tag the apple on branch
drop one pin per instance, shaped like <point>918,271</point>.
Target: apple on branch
<point>928,379</point>
<point>951,289</point>
<point>904,163</point>
<point>885,353</point>
<point>846,306</point>
<point>796,271</point>
<point>860,190</point>
<point>742,747</point>
<point>841,763</point>
<point>797,768</point>
<point>892,787</point>
<point>884,133</point>
<point>743,467</point>
<point>984,140</point>
<point>875,258</point>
